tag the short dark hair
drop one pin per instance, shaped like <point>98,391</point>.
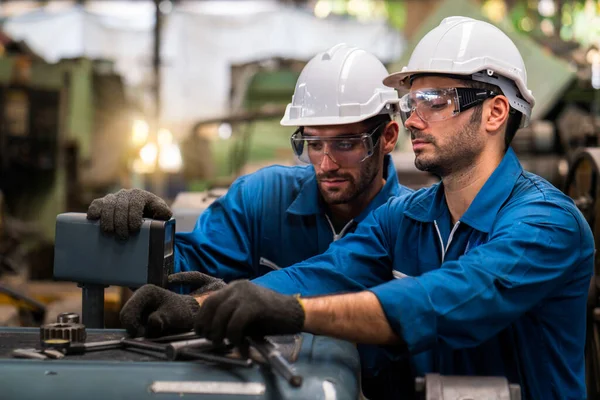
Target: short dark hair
<point>377,120</point>
<point>514,117</point>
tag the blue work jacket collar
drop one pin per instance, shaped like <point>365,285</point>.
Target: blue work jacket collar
<point>482,211</point>
<point>308,201</point>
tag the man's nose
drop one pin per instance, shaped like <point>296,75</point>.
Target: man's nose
<point>415,122</point>
<point>328,163</point>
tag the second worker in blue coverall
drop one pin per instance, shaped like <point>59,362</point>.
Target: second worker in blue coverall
<point>279,215</point>
<point>494,262</point>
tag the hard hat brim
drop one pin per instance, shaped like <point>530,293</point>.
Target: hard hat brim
<point>399,79</point>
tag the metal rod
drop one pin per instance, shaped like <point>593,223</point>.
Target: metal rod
<point>192,343</point>
<point>277,362</point>
<point>180,336</point>
<point>137,344</point>
<point>81,348</point>
<point>196,354</point>
<point>92,305</point>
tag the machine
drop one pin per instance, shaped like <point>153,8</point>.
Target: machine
<point>583,186</point>
<point>83,254</point>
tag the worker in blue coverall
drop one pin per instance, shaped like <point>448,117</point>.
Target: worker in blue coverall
<point>485,273</point>
<point>280,215</point>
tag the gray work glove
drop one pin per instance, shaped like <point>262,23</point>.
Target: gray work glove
<point>122,213</point>
<point>199,283</point>
<point>153,311</point>
<point>245,309</point>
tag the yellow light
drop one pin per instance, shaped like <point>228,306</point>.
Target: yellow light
<point>495,10</point>
<point>139,134</point>
<point>526,24</point>
<point>148,153</point>
<point>593,56</point>
<point>169,159</point>
<point>359,8</point>
<point>322,8</point>
<point>139,167</point>
<point>164,137</point>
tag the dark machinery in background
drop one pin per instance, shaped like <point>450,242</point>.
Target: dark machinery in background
<point>51,117</point>
<point>583,186</point>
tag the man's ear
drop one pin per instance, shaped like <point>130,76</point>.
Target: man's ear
<point>389,137</point>
<point>496,113</point>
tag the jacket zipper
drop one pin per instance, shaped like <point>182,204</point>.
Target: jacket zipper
<point>445,249</point>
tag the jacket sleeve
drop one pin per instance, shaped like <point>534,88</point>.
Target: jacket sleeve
<point>532,250</point>
<point>220,244</point>
<point>351,264</point>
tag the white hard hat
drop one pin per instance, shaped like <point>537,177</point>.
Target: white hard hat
<point>466,46</point>
<point>342,85</point>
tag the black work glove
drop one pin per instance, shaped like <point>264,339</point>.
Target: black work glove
<point>244,309</point>
<point>153,311</point>
<point>121,213</point>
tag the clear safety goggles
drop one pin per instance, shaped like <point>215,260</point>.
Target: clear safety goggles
<point>439,104</point>
<point>345,150</point>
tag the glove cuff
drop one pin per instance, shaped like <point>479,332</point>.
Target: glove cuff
<point>192,303</point>
<point>296,314</point>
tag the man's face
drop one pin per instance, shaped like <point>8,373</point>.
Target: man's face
<point>444,147</point>
<point>340,183</point>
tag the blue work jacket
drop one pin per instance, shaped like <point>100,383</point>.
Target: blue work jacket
<point>267,220</point>
<point>502,292</point>
<point>272,219</point>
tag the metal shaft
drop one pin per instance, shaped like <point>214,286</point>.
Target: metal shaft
<point>92,305</point>
<point>179,336</point>
<point>277,362</point>
<point>192,343</point>
<point>80,348</point>
<point>138,344</point>
<point>196,354</point>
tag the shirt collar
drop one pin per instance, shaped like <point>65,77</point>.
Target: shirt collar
<point>482,211</point>
<point>308,201</point>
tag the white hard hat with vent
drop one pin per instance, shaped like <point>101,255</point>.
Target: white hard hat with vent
<point>477,49</point>
<point>342,85</point>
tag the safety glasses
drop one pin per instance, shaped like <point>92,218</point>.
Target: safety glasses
<point>344,150</point>
<point>440,104</point>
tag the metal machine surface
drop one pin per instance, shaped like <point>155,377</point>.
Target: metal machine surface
<point>188,206</point>
<point>84,254</point>
<point>329,368</point>
<point>437,387</point>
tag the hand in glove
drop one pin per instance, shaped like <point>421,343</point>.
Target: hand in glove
<point>200,283</point>
<point>121,213</point>
<point>153,311</point>
<point>244,309</point>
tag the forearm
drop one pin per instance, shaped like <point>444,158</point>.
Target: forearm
<point>357,317</point>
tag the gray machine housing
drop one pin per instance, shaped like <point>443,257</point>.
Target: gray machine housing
<point>188,206</point>
<point>84,254</point>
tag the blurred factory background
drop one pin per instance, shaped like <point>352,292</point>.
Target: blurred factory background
<point>185,96</point>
